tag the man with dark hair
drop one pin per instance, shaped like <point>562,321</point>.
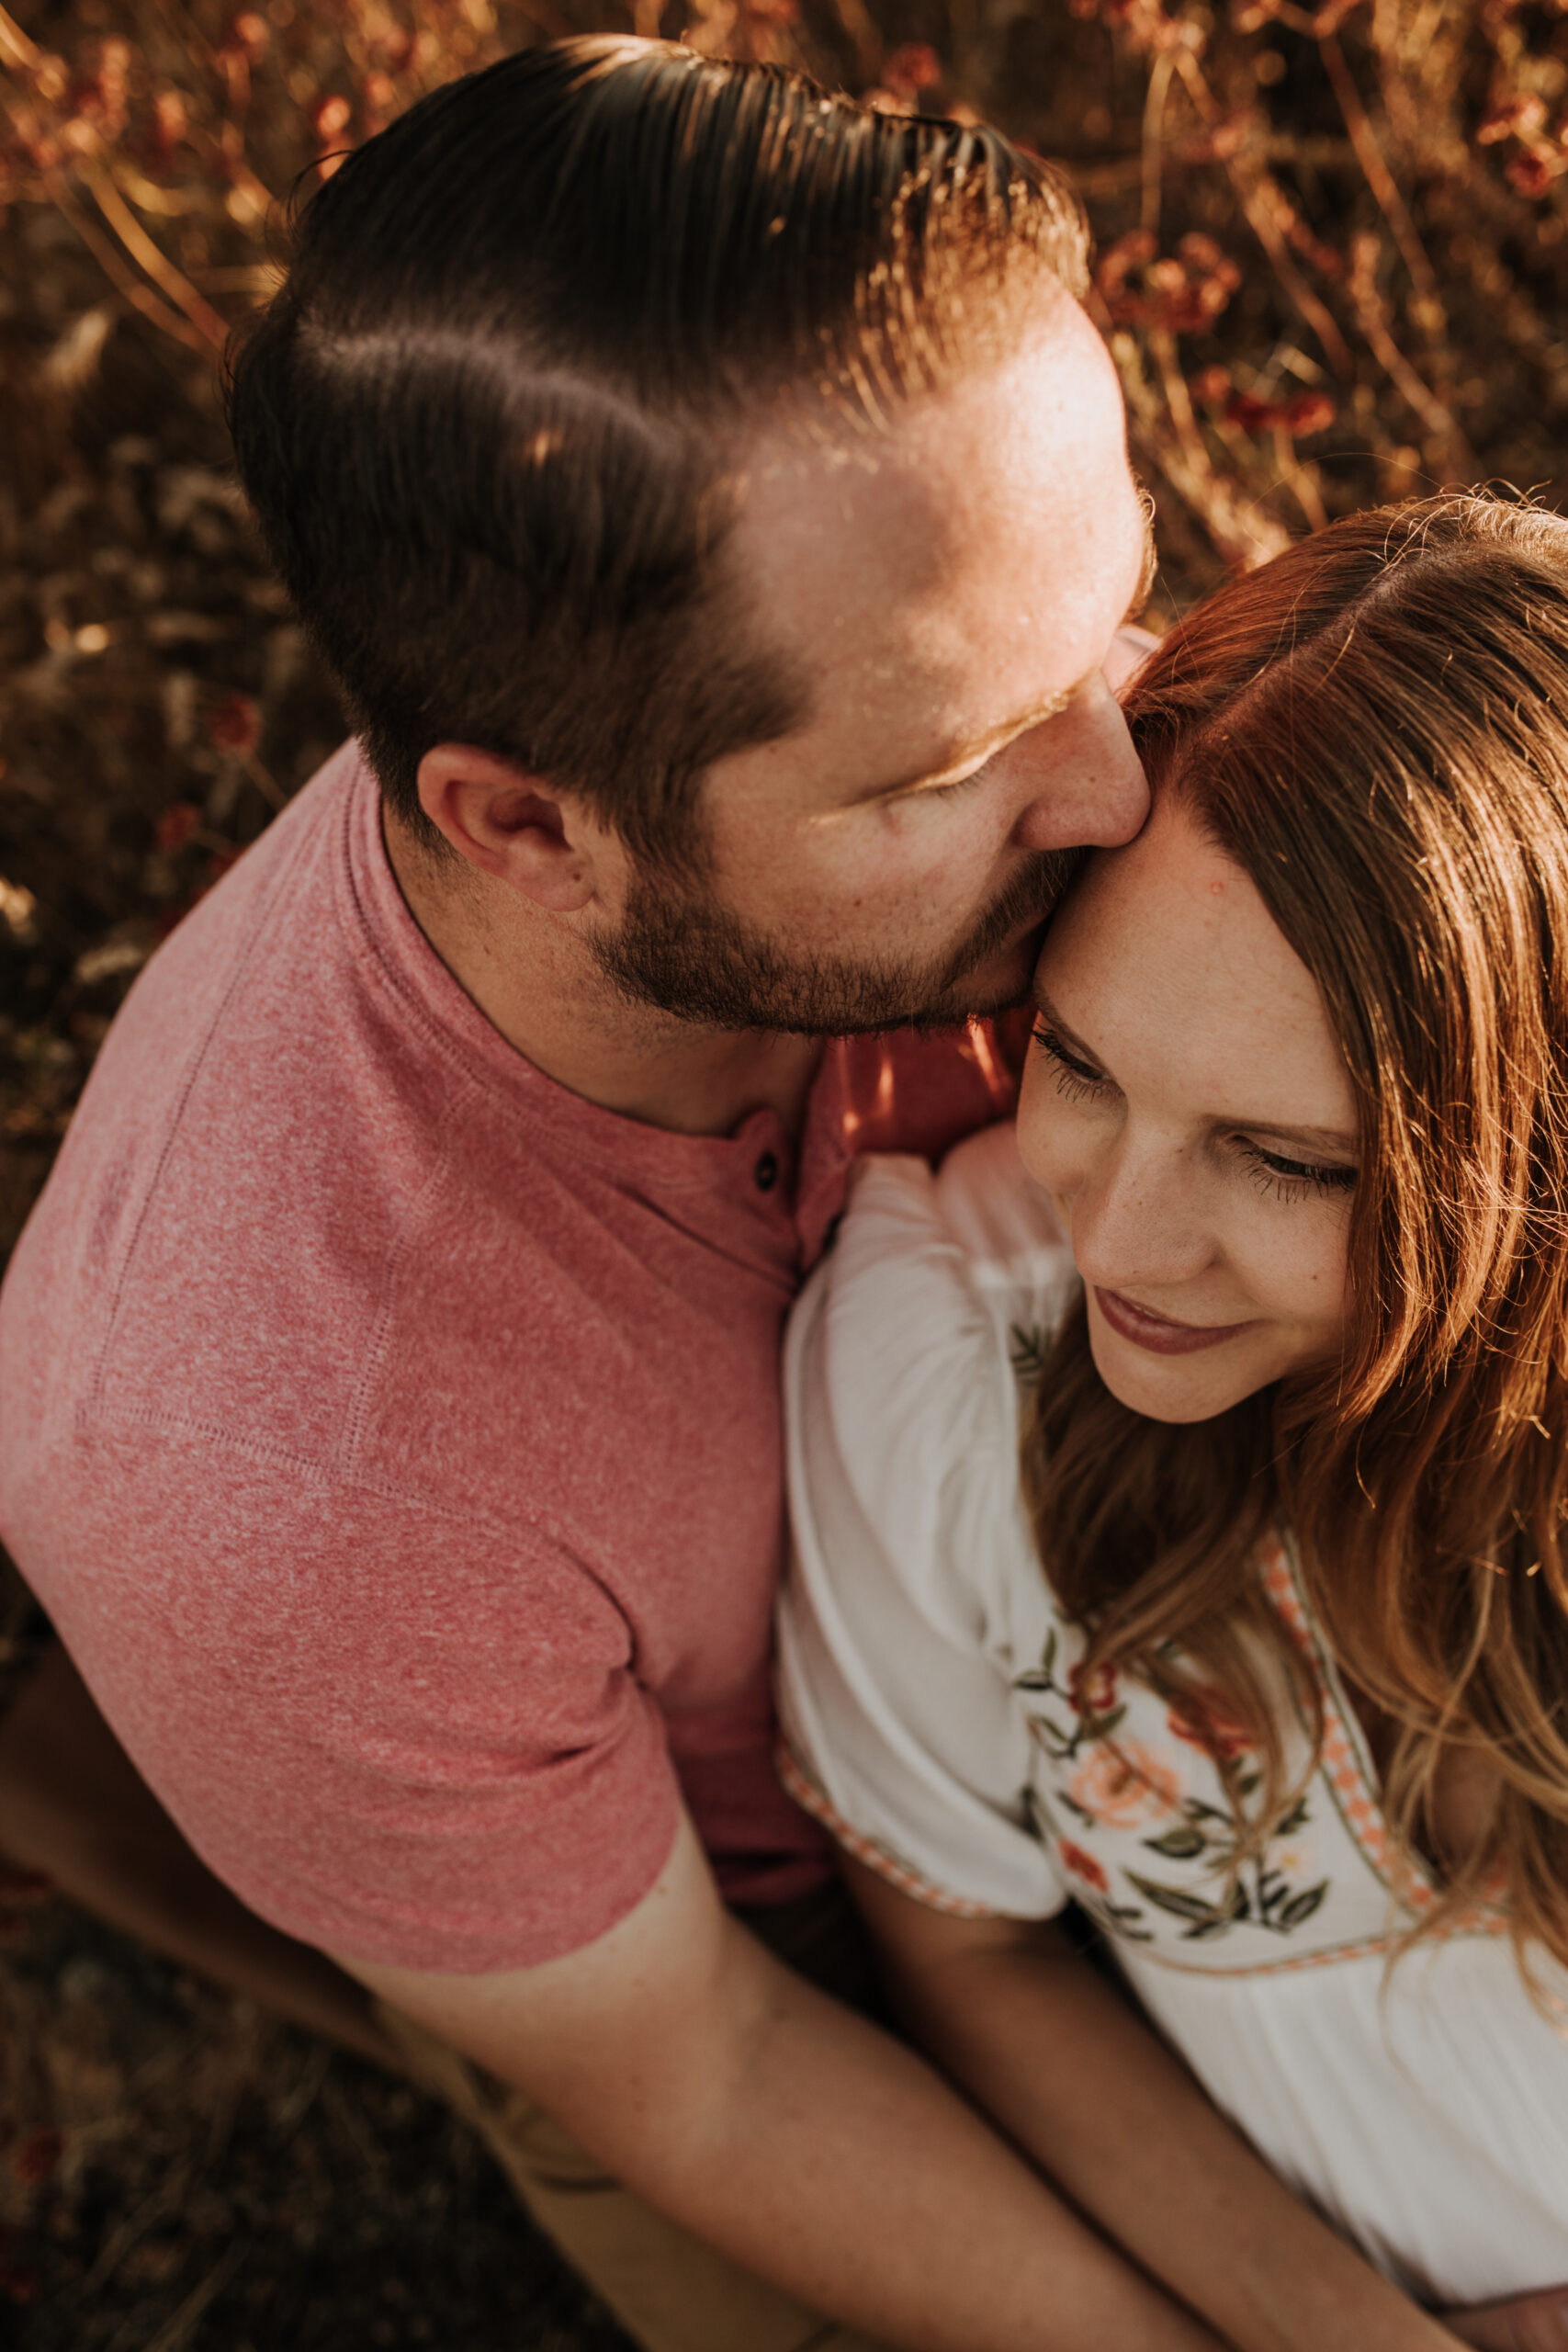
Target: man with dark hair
<point>714,507</point>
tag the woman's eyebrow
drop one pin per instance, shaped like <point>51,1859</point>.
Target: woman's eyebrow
<point>1317,1139</point>
<point>1329,1139</point>
<point>1060,1028</point>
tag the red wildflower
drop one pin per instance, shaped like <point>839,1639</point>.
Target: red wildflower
<point>911,68</point>
<point>38,2158</point>
<point>175,826</point>
<point>1533,172</point>
<point>1180,293</point>
<point>1304,412</point>
<point>168,126</point>
<point>235,724</point>
<point>1516,118</point>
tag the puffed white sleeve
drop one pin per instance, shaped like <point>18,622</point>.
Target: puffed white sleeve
<point>901,1729</point>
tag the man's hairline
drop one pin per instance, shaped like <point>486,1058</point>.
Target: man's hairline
<point>816,426</point>
<point>794,411</point>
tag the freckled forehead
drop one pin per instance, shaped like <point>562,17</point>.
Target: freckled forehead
<point>1167,961</point>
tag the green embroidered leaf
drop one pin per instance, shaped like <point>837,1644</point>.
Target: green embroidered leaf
<point>1028,1352</point>
<point>1179,1903</point>
<point>1057,1744</point>
<point>1182,1845</point>
<point>1302,1907</point>
<point>1037,1816</point>
<point>1041,1677</point>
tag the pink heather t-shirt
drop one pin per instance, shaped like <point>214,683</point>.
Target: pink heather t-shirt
<point>394,1437</point>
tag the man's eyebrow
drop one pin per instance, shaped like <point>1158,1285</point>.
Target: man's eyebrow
<point>1333,1139</point>
<point>1147,569</point>
<point>985,747</point>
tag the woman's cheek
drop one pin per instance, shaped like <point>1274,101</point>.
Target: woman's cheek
<point>1293,1262</point>
<point>1051,1138</point>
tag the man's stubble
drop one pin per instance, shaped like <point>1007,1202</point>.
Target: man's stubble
<point>681,951</point>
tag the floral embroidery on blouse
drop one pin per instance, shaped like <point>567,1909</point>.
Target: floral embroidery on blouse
<point>1109,1780</point>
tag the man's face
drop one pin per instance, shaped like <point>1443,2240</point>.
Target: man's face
<point>951,588</point>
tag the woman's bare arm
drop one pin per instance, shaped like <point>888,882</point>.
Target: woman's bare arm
<point>1056,2055</point>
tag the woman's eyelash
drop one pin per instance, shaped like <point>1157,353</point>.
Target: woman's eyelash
<point>1291,1180</point>
<point>1074,1077</point>
<point>1288,1180</point>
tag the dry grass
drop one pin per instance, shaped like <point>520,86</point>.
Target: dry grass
<point>176,2170</point>
<point>1334,265</point>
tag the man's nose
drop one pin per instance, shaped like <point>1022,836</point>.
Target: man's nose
<point>1084,781</point>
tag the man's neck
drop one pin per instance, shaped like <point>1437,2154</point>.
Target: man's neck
<point>536,983</point>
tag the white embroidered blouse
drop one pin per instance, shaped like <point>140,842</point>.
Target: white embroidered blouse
<point>935,1719</point>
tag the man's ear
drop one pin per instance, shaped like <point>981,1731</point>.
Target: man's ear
<point>513,825</point>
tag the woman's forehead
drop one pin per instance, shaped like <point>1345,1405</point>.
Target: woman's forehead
<point>1165,961</point>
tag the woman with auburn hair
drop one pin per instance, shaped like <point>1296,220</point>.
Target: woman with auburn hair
<point>1263,1662</point>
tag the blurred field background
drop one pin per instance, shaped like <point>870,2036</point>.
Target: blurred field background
<point>1333,263</point>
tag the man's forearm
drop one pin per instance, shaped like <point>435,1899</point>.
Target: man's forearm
<point>837,2164</point>
<point>1066,2066</point>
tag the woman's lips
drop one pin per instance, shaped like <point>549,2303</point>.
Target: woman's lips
<point>1158,1332</point>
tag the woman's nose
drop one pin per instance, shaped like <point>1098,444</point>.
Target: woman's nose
<point>1135,1222</point>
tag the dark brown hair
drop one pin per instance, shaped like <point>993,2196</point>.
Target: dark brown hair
<point>1374,726</point>
<point>488,424</point>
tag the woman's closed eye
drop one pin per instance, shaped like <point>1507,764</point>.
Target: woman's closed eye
<point>1074,1077</point>
<point>1293,1180</point>
<point>1275,1172</point>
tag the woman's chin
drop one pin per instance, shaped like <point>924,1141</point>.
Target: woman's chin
<point>1166,1388</point>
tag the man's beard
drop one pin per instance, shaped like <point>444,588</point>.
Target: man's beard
<point>683,951</point>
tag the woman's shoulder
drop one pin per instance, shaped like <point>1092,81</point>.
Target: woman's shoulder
<point>998,1216</point>
<point>900,1372</point>
<point>978,1222</point>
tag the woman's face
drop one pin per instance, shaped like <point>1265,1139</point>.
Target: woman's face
<point>1188,1110</point>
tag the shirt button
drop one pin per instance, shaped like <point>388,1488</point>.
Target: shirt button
<point>767,1171</point>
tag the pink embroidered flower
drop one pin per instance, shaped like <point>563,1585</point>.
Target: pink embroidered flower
<point>1093,1694</point>
<point>1083,1866</point>
<point>1124,1785</point>
<point>1205,1719</point>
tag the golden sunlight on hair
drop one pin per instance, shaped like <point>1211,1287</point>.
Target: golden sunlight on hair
<point>1374,726</point>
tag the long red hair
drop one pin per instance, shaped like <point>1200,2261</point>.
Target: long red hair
<point>1374,726</point>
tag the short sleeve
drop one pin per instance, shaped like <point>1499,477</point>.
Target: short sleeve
<point>910,1551</point>
<point>403,1735</point>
